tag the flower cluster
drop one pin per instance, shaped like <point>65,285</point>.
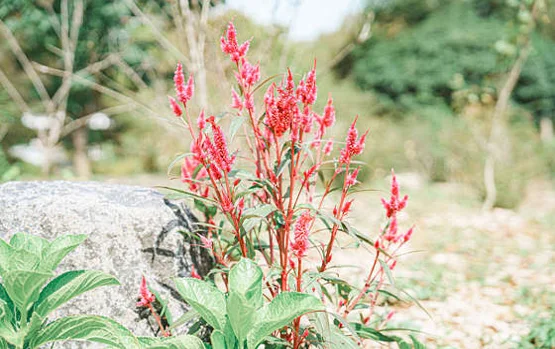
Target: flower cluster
<point>272,210</point>
<point>146,298</point>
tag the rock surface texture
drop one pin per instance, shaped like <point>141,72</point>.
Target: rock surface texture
<point>132,231</point>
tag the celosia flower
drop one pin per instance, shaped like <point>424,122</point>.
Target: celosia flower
<point>354,145</point>
<point>219,154</point>
<point>281,111</point>
<point>230,46</point>
<point>395,204</point>
<point>175,107</point>
<point>201,120</point>
<point>328,119</point>
<point>248,74</point>
<point>307,90</point>
<point>206,242</point>
<point>300,243</point>
<point>184,92</point>
<point>328,147</point>
<point>145,296</point>
<point>236,102</point>
<point>352,178</point>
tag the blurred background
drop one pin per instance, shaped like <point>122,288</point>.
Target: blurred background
<point>459,97</point>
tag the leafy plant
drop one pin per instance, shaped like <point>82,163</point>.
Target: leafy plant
<point>29,294</point>
<point>264,205</point>
<point>240,318</point>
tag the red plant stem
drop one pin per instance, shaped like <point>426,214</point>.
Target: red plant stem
<point>297,322</point>
<point>335,227</point>
<point>367,285</point>
<point>158,321</point>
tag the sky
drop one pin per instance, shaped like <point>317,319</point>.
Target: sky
<point>307,18</point>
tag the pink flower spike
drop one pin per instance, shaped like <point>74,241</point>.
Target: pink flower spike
<point>175,107</point>
<point>328,118</point>
<point>179,81</point>
<point>408,234</point>
<point>352,178</point>
<point>190,88</point>
<point>236,102</point>
<point>201,120</point>
<point>328,147</point>
<point>206,242</point>
<point>145,296</point>
<point>300,244</point>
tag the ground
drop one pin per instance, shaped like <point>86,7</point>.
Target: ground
<point>484,278</point>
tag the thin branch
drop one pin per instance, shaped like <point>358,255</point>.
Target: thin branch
<point>13,93</point>
<point>82,121</point>
<point>97,87</point>
<point>130,72</point>
<point>159,36</point>
<point>27,66</point>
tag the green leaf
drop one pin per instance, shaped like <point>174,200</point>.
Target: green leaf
<point>23,286</point>
<point>8,304</point>
<point>175,161</point>
<point>340,340</point>
<point>245,279</point>
<point>177,342</point>
<point>206,299</point>
<point>245,296</point>
<point>236,124</point>
<point>60,248</point>
<point>217,339</point>
<point>387,272</point>
<point>416,344</point>
<point>183,319</point>
<point>86,328</point>
<point>261,211</point>
<point>280,312</point>
<point>31,243</point>
<point>3,344</point>
<point>70,285</point>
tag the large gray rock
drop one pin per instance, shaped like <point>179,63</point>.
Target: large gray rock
<point>132,232</point>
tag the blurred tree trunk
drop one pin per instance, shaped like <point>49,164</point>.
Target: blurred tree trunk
<point>81,162</point>
<point>498,123</point>
<point>546,130</point>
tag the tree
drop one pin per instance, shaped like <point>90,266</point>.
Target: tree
<point>71,52</point>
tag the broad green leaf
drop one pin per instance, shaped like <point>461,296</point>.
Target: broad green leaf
<point>9,306</point>
<point>23,286</point>
<point>3,344</point>
<point>7,330</point>
<point>245,296</point>
<point>323,327</point>
<point>242,315</point>
<point>60,248</point>
<point>70,285</point>
<point>31,243</point>
<point>5,253</point>
<point>245,279</point>
<point>206,299</point>
<point>86,328</point>
<point>280,312</point>
<point>217,339</point>
<point>177,342</point>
